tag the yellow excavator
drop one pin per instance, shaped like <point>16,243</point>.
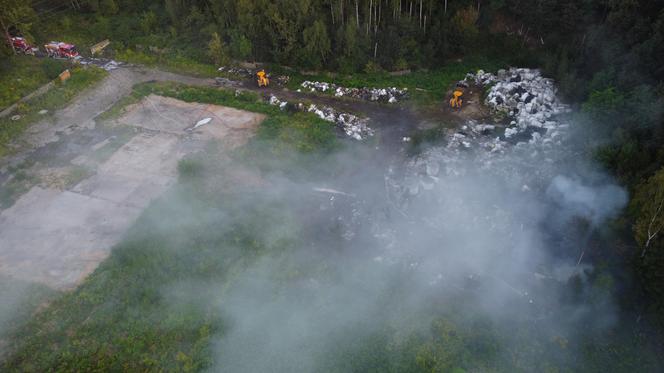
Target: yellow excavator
<point>263,81</point>
<point>456,102</point>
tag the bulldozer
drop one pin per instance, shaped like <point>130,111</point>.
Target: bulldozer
<point>263,81</point>
<point>456,102</point>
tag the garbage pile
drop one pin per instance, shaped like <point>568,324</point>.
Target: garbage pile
<point>524,95</point>
<point>480,78</point>
<point>237,71</point>
<point>390,95</point>
<point>529,146</point>
<point>354,126</point>
<point>108,65</point>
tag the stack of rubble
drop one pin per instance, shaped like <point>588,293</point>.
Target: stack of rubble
<point>390,95</point>
<point>237,71</point>
<point>352,125</point>
<point>524,96</point>
<point>106,64</point>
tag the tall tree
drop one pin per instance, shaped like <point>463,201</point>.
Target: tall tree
<point>317,43</point>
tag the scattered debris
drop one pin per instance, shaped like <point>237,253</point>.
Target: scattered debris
<point>43,112</point>
<point>283,80</point>
<point>106,64</point>
<point>65,75</point>
<point>97,48</point>
<point>352,125</point>
<point>202,122</point>
<point>15,117</point>
<point>390,95</point>
<point>531,140</point>
<point>333,191</point>
<point>58,49</point>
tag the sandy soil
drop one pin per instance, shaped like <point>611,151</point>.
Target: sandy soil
<point>56,234</point>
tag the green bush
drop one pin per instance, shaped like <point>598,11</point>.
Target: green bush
<point>190,169</point>
<point>52,68</point>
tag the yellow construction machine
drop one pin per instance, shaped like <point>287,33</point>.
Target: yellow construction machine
<point>456,101</point>
<point>263,81</point>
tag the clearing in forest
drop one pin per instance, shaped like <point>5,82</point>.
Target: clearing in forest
<point>58,236</point>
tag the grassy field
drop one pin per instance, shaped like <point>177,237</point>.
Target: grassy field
<point>20,75</point>
<point>281,139</point>
<point>57,98</point>
<point>176,64</point>
<point>426,87</point>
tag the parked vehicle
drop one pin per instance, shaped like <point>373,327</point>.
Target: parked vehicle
<point>21,46</point>
<point>57,49</point>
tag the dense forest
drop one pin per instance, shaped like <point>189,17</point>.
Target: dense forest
<point>606,56</point>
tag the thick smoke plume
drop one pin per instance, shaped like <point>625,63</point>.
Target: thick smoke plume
<point>387,245</point>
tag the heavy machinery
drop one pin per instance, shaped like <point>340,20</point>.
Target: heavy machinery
<point>456,102</point>
<point>263,81</point>
<point>57,49</point>
<point>21,46</point>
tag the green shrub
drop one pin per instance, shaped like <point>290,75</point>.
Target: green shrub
<point>190,169</point>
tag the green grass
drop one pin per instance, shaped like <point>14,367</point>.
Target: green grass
<point>121,318</point>
<point>425,87</point>
<point>155,303</point>
<point>23,297</point>
<point>57,98</point>
<point>173,63</point>
<point>21,75</point>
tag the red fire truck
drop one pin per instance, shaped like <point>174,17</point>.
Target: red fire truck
<point>57,49</point>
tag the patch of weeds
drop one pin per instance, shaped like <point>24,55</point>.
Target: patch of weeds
<point>20,182</point>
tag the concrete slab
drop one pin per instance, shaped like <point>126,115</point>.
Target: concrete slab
<point>57,238</point>
<point>231,126</point>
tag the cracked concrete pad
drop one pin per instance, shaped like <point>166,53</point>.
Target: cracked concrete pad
<point>57,238</point>
<point>231,126</point>
<point>137,173</point>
